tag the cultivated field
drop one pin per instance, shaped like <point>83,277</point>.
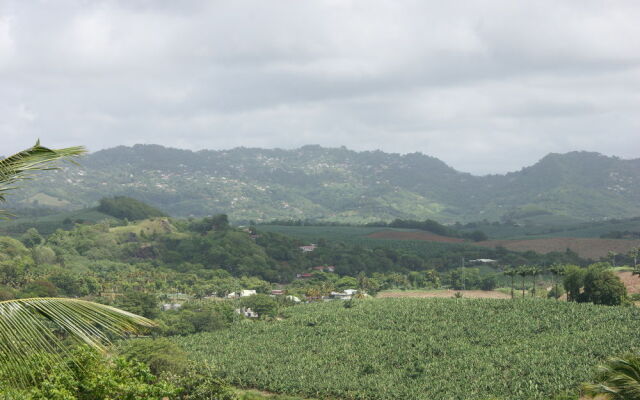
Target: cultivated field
<point>426,294</point>
<point>383,349</point>
<point>417,235</point>
<point>592,248</point>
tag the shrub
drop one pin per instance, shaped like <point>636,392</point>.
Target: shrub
<point>160,354</point>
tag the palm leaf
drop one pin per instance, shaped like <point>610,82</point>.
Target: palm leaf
<point>29,327</point>
<point>619,378</point>
<point>37,158</point>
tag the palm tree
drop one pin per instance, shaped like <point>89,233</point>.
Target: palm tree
<point>511,272</point>
<point>21,165</point>
<point>556,271</point>
<point>618,379</point>
<point>534,271</point>
<point>523,272</point>
<point>633,253</point>
<point>29,327</point>
<point>612,256</point>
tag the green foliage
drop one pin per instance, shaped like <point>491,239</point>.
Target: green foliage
<point>261,303</point>
<point>160,354</point>
<point>602,286</point>
<point>31,238</point>
<point>418,349</point>
<point>195,317</point>
<point>21,165</point>
<point>573,281</point>
<point>127,208</point>
<point>30,327</point>
<point>39,289</point>
<point>86,375</point>
<point>618,379</point>
<point>596,284</point>
<point>556,292</point>
<point>342,185</point>
<point>141,303</point>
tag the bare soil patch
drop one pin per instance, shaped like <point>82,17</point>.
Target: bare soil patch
<point>592,248</point>
<point>631,282</point>
<point>470,294</point>
<point>426,236</point>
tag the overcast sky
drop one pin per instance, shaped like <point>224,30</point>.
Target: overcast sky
<point>487,86</point>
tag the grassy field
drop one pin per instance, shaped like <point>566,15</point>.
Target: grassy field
<point>48,224</point>
<point>423,349</point>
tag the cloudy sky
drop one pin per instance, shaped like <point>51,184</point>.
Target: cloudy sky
<point>488,86</point>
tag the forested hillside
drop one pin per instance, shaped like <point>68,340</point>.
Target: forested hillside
<point>341,185</point>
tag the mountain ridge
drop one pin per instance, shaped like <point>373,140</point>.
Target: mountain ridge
<point>342,184</point>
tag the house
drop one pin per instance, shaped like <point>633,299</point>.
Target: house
<point>483,261</point>
<point>324,268</point>
<point>305,275</point>
<point>347,294</point>
<point>293,298</point>
<point>277,292</point>
<point>242,293</point>
<point>308,248</point>
<point>171,306</point>
<point>247,312</point>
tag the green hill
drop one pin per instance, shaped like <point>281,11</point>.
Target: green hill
<point>337,184</point>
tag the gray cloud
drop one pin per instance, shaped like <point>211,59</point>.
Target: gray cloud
<point>486,85</point>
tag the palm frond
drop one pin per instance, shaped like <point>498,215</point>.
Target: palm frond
<point>37,158</point>
<point>619,378</point>
<point>29,327</point>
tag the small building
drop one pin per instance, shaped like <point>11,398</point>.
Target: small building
<point>293,298</point>
<point>305,275</point>
<point>171,306</point>
<point>277,292</point>
<point>308,248</point>
<point>324,268</point>
<point>340,296</point>
<point>247,312</point>
<point>242,293</point>
<point>483,261</point>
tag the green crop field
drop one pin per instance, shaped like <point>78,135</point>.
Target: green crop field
<point>423,349</point>
<point>358,236</point>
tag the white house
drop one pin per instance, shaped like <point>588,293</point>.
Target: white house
<point>293,298</point>
<point>242,293</point>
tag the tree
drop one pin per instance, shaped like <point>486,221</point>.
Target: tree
<point>602,286</point>
<point>261,303</point>
<point>633,253</point>
<point>534,272</point>
<point>573,281</point>
<point>26,325</point>
<point>556,271</point>
<point>612,256</point>
<point>25,330</point>
<point>618,379</point>
<point>523,272</point>
<point>511,272</point>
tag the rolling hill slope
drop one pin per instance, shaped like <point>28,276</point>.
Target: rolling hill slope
<point>340,184</point>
